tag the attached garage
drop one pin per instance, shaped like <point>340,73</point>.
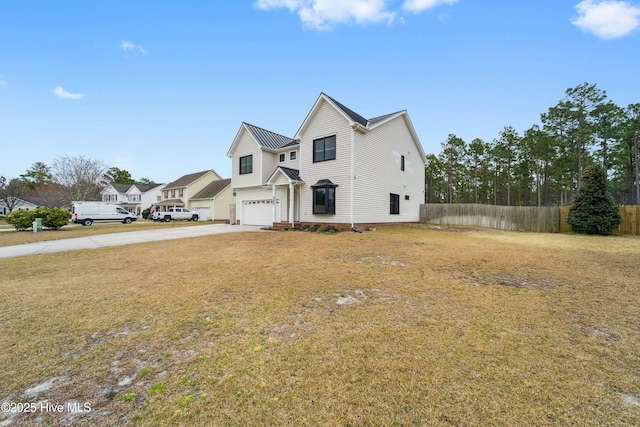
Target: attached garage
<point>259,212</point>
<point>204,213</point>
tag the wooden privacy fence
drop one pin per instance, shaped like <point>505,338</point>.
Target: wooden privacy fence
<point>545,219</point>
<point>518,218</point>
<point>630,220</point>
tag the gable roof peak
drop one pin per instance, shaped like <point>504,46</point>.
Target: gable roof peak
<point>349,112</point>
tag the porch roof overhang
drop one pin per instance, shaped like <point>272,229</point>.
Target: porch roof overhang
<point>171,202</point>
<point>292,176</point>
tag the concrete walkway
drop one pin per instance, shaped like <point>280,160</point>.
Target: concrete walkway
<point>119,239</point>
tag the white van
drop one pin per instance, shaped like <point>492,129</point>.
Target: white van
<point>86,213</point>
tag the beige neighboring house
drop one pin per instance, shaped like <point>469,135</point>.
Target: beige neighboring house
<point>206,193</point>
<point>213,201</point>
<point>340,168</point>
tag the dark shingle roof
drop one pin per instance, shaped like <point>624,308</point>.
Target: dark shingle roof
<point>121,188</point>
<point>269,139</point>
<point>185,180</point>
<point>358,118</point>
<point>146,187</point>
<point>212,190</point>
<point>352,114</point>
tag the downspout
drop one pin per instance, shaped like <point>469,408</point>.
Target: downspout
<point>353,178</point>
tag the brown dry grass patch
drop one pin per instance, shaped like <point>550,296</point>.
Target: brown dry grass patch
<point>12,237</point>
<point>402,326</point>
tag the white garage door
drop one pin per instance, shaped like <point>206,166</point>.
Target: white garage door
<point>259,212</point>
<point>204,214</point>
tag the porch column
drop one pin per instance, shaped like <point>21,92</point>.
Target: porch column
<point>273,198</point>
<point>291,199</point>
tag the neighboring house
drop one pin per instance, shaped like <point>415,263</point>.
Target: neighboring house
<point>21,204</point>
<point>133,197</point>
<point>203,192</point>
<point>339,169</point>
<point>213,201</point>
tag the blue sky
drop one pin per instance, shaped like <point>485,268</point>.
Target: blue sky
<point>160,88</point>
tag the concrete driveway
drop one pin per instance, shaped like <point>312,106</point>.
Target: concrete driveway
<point>120,239</point>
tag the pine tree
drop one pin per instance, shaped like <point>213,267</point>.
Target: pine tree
<point>593,210</point>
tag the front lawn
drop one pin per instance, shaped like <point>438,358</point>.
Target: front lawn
<point>401,326</point>
<point>9,236</point>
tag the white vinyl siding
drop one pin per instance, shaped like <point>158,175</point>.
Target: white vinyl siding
<point>327,121</point>
<point>151,196</point>
<point>378,174</point>
<point>269,164</point>
<point>246,146</point>
<point>288,163</point>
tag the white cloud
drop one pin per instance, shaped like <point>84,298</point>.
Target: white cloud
<point>422,5</point>
<point>608,19</point>
<point>63,94</point>
<point>125,45</point>
<point>323,14</point>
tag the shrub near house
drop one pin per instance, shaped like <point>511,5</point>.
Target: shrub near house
<point>52,218</point>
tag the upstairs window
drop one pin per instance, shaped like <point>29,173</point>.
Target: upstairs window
<point>402,163</point>
<point>282,157</point>
<point>292,155</point>
<point>394,205</point>
<point>246,164</point>
<point>324,149</point>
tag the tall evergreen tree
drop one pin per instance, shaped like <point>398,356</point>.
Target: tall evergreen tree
<point>593,210</point>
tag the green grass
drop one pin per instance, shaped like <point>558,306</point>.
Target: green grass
<point>402,326</point>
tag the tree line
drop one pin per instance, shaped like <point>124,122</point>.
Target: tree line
<point>67,179</point>
<point>544,165</point>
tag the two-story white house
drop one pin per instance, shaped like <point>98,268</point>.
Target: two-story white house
<point>133,197</point>
<point>339,169</point>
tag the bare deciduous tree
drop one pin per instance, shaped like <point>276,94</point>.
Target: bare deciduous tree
<point>80,178</point>
<point>11,193</point>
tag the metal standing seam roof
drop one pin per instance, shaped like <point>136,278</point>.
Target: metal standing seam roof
<point>270,139</point>
<point>376,120</point>
<point>293,174</point>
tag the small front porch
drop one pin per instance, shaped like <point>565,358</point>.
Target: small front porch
<point>286,180</point>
